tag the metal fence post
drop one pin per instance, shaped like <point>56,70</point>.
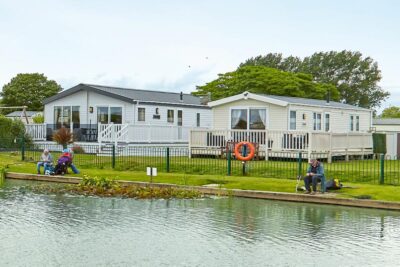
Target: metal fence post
<point>113,156</point>
<point>299,161</point>
<point>167,160</point>
<point>382,169</point>
<point>23,148</point>
<point>228,157</point>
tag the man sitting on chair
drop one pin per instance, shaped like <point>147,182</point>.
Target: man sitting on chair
<point>46,159</point>
<point>315,174</point>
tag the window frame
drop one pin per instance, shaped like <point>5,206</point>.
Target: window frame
<point>70,116</point>
<point>173,116</point>
<point>198,119</point>
<point>315,121</point>
<point>109,113</point>
<point>354,122</point>
<point>138,119</point>
<point>248,117</point>
<point>295,120</point>
<point>329,124</point>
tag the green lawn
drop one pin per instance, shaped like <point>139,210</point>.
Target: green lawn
<point>377,192</point>
<point>364,171</point>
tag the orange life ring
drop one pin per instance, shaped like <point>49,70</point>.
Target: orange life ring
<point>238,153</point>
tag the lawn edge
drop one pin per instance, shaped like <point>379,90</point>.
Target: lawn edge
<point>257,194</point>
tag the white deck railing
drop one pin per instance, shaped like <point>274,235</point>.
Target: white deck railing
<point>142,133</point>
<point>283,140</point>
<point>36,131</point>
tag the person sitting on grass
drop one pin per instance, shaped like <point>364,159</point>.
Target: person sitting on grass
<point>315,174</point>
<point>46,159</point>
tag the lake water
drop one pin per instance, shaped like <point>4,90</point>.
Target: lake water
<point>68,230</point>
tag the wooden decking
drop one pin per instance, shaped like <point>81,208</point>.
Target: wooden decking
<point>282,143</point>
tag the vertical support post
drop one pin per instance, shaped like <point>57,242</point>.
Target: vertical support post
<point>190,143</point>
<point>347,147</point>
<point>113,156</point>
<point>228,156</point>
<point>330,148</point>
<point>299,162</point>
<point>23,148</point>
<point>266,144</point>
<point>382,169</point>
<point>167,160</point>
<point>310,145</point>
<point>99,133</point>
<point>44,132</point>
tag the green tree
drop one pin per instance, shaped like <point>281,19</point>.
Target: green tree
<point>391,112</point>
<point>276,61</point>
<point>29,89</point>
<point>356,77</point>
<point>263,80</point>
<point>12,131</point>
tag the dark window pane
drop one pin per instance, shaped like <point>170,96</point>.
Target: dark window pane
<point>116,115</point>
<point>239,119</point>
<point>180,118</point>
<point>57,116</point>
<point>170,116</point>
<point>198,119</point>
<point>257,119</point>
<point>75,117</point>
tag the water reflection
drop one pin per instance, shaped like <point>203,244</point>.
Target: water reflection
<point>220,231</point>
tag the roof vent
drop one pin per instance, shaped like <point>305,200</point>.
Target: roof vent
<point>181,96</point>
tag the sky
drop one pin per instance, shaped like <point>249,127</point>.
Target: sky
<point>175,45</point>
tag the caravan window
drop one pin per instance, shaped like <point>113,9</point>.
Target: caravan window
<point>198,119</point>
<point>354,123</point>
<point>141,114</point>
<point>257,119</point>
<point>292,120</point>
<point>66,115</point>
<point>251,118</point>
<point>239,119</point>
<point>116,115</point>
<point>317,121</point>
<point>170,116</point>
<point>327,122</point>
<point>106,115</point>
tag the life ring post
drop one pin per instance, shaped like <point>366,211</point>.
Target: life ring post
<point>242,156</point>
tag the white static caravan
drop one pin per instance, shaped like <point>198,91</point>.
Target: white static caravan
<point>390,127</point>
<point>112,114</point>
<point>288,123</point>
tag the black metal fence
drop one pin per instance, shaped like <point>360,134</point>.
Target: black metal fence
<point>376,169</point>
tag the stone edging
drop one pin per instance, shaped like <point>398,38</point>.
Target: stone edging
<point>318,199</point>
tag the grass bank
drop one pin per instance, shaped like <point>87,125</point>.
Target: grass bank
<point>357,190</point>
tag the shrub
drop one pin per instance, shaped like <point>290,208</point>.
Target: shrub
<point>17,128</point>
<point>63,137</point>
<point>78,149</point>
<point>39,118</point>
<point>101,182</point>
<point>11,132</point>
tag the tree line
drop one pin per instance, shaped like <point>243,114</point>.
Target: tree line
<point>347,76</point>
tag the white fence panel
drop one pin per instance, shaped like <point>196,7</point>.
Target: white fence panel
<point>36,131</point>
